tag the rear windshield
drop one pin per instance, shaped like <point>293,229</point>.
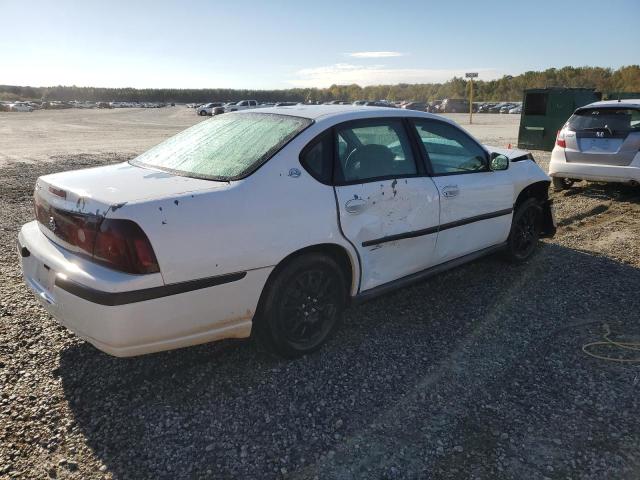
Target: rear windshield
<point>226,147</point>
<point>615,121</point>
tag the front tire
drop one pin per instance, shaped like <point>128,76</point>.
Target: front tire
<point>561,183</point>
<point>525,231</point>
<point>302,307</point>
<point>203,113</point>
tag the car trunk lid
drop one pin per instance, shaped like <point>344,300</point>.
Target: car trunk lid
<point>69,206</point>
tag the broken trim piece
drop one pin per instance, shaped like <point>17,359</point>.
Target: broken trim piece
<point>113,299</point>
<point>436,229</point>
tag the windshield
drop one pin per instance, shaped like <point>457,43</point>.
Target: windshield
<point>225,147</point>
<point>613,120</point>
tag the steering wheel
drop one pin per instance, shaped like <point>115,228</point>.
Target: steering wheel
<point>351,165</point>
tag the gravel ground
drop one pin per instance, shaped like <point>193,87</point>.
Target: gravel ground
<point>476,373</point>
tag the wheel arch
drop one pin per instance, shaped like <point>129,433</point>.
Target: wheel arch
<point>540,191</point>
<point>347,262</point>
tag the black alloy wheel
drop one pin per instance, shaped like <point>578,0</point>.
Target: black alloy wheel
<point>303,306</point>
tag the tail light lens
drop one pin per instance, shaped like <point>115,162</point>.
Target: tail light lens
<point>560,139</point>
<point>122,245</point>
<point>115,243</point>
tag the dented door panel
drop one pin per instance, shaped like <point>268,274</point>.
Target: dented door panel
<point>373,215</point>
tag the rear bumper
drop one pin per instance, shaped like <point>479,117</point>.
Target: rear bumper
<point>125,321</point>
<point>559,167</point>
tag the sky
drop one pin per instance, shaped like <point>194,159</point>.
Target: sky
<point>284,44</point>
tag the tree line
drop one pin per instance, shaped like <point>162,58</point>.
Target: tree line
<point>623,79</point>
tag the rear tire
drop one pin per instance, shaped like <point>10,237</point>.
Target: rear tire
<point>525,231</point>
<point>561,183</point>
<point>302,306</point>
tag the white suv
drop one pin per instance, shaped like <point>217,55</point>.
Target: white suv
<point>600,142</point>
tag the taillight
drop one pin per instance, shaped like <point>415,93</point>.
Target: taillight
<point>122,245</point>
<point>115,243</point>
<point>77,230</point>
<point>560,139</point>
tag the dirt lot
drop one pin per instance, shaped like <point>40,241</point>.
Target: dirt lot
<point>476,373</point>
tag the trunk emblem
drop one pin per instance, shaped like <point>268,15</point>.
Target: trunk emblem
<point>52,224</point>
<point>294,172</point>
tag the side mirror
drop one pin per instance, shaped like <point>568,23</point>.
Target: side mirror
<point>499,162</point>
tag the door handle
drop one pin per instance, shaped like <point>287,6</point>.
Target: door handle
<point>450,191</point>
<point>355,205</point>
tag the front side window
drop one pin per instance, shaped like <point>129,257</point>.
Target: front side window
<point>450,150</point>
<point>225,147</point>
<point>374,149</point>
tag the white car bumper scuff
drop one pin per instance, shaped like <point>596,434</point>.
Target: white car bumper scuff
<point>134,321</point>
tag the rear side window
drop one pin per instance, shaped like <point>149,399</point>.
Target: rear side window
<point>317,158</point>
<point>224,148</point>
<point>374,149</point>
<point>610,120</point>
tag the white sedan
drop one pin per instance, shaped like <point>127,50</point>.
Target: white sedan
<point>270,222</point>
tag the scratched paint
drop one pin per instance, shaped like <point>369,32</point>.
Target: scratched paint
<point>393,207</point>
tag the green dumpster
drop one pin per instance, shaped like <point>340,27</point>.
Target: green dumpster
<point>545,110</point>
<point>621,95</point>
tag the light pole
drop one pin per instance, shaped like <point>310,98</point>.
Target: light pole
<point>471,76</point>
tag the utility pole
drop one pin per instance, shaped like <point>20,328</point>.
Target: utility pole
<point>471,76</point>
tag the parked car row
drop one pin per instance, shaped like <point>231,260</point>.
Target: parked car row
<point>216,108</point>
<point>61,105</point>
<point>502,107</point>
<point>15,107</point>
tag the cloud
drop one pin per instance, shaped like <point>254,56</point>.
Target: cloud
<point>346,73</point>
<point>375,54</point>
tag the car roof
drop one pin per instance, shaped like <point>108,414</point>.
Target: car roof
<point>627,102</point>
<point>339,113</point>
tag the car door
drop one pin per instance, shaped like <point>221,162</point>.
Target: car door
<point>388,206</point>
<point>476,203</point>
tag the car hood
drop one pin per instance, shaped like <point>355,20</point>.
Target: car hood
<point>96,190</point>
<point>511,153</point>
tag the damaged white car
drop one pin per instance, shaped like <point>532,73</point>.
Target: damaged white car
<point>269,223</point>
